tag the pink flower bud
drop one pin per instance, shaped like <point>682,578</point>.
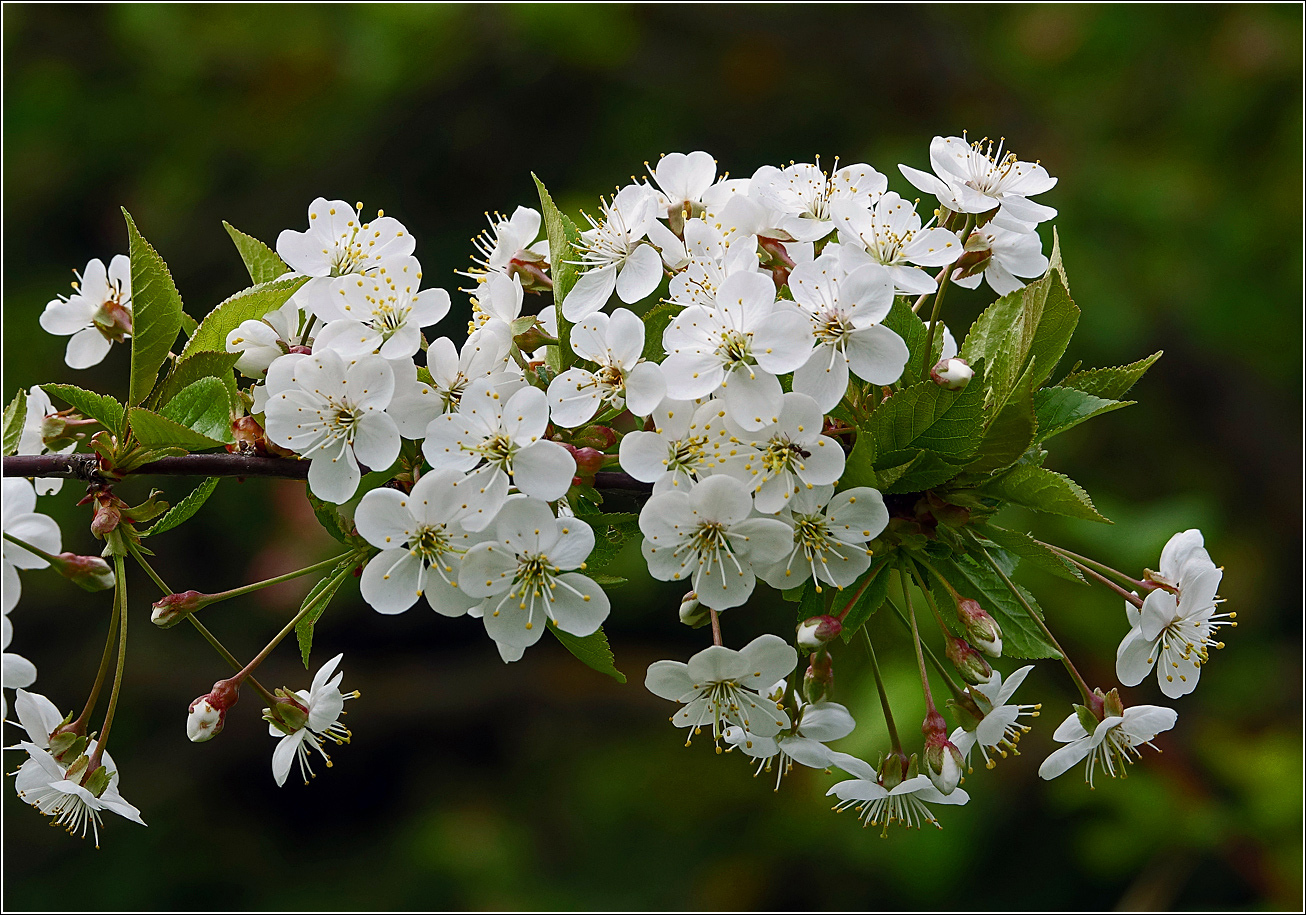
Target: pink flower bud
<point>88,572</point>
<point>984,631</point>
<point>953,374</point>
<point>819,678</point>
<point>972,666</point>
<point>172,609</point>
<point>815,632</point>
<point>208,713</point>
<point>107,517</point>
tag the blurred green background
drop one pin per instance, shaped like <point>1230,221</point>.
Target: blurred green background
<point>1176,134</point>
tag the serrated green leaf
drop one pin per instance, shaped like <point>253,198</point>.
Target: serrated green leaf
<point>925,471</point>
<point>1059,409</point>
<point>562,234</point>
<point>184,509</point>
<point>204,407</point>
<point>1030,550</point>
<point>156,313</point>
<point>1009,435</point>
<point>328,515</point>
<point>320,597</point>
<point>877,589</point>
<point>198,365</point>
<point>859,468</point>
<point>1043,490</point>
<point>1110,383</point>
<point>1021,636</point>
<point>155,431</point>
<point>656,322</point>
<point>100,407</point>
<point>592,649</point>
<point>15,417</point>
<point>250,304</point>
<point>928,417</point>
<point>812,601</point>
<point>262,262</point>
<point>611,532</point>
<point>607,581</point>
<point>188,324</point>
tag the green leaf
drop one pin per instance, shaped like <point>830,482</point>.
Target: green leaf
<point>247,305</point>
<point>1059,409</point>
<point>188,324</point>
<point>198,365</point>
<point>928,417</point>
<point>100,407</point>
<point>328,516</point>
<point>156,314</point>
<point>1030,550</point>
<point>1021,636</point>
<point>183,510</point>
<point>204,407</point>
<point>320,597</point>
<point>15,417</point>
<point>1110,383</point>
<point>870,601</point>
<point>608,581</point>
<point>1009,435</point>
<point>1045,491</point>
<point>812,601</point>
<point>611,531</point>
<point>155,431</point>
<point>592,649</point>
<point>656,322</point>
<point>563,234</point>
<point>859,468</point>
<point>261,261</point>
<point>925,471</point>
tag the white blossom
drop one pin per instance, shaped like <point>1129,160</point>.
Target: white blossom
<point>19,518</point>
<point>976,178</point>
<point>892,235</point>
<point>999,730</point>
<point>803,194</point>
<point>877,805</point>
<point>32,439</point>
<point>524,579</point>
<point>615,256</point>
<point>624,379</point>
<point>804,742</point>
<point>1113,742</point>
<point>380,313</point>
<point>709,261</point>
<point>721,687</point>
<point>323,704</point>
<point>680,449</point>
<point>509,239</point>
<point>828,542</point>
<point>485,354</point>
<point>97,315</point>
<point>1011,255</point>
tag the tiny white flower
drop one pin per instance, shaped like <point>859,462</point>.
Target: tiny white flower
<point>333,412</point>
<point>709,261</point>
<point>323,704</point>
<point>614,255</point>
<point>422,543</point>
<point>499,437</point>
<point>721,687</point>
<point>615,344</point>
<point>804,194</point>
<point>97,315</point>
<point>904,803</point>
<point>32,439</point>
<point>976,178</point>
<point>498,300</point>
<point>382,313</point>
<point>1113,741</point>
<point>485,354</point>
<point>204,720</point>
<point>262,342</point>
<point>680,449</point>
<point>1011,255</point>
<point>891,233</point>
<point>524,577</point>
<point>1175,629</point>
<point>999,731</point>
<point>709,535</point>
<point>19,518</point>
<point>804,742</point>
<point>509,240</point>
<point>829,543</point>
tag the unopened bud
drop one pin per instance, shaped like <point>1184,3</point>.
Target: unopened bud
<point>205,720</point>
<point>953,374</point>
<point>983,630</point>
<point>288,713</point>
<point>943,762</point>
<point>815,632</point>
<point>174,608</point>
<point>600,437</point>
<point>589,461</point>
<point>88,572</point>
<point>819,678</point>
<point>107,517</point>
<point>975,258</point>
<point>692,613</point>
<point>532,336</point>
<point>972,666</point>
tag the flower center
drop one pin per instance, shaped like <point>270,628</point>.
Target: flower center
<point>735,347</point>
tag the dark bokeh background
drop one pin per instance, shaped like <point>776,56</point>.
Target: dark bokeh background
<point>1176,135</point>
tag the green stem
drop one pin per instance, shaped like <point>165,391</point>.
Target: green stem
<point>308,607</point>
<point>258,585</point>
<point>953,688</point>
<point>1083,561</point>
<point>870,577</point>
<point>929,597</point>
<point>716,626</point>
<point>48,557</point>
<point>1127,595</point>
<point>119,598</point>
<point>884,695</point>
<point>916,640</point>
<point>79,726</point>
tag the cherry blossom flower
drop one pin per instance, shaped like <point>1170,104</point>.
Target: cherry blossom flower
<point>422,543</point>
<point>828,541</point>
<point>262,342</point>
<point>891,233</point>
<point>485,354</point>
<point>17,672</point>
<point>709,535</point>
<point>804,742</point>
<point>19,518</point>
<point>722,687</point>
<point>881,803</point>
<point>615,344</point>
<point>975,178</point>
<point>615,256</point>
<point>510,246</point>
<point>998,731</point>
<point>333,411</point>
<point>844,309</point>
<point>321,707</point>
<point>1176,629</point>
<point>498,300</point>
<point>524,579</point>
<point>381,313</point>
<point>1112,742</point>
<point>709,261</point>
<point>1009,255</point>
<point>338,243</point>
<point>498,438</point>
<point>803,194</point>
<point>680,449</point>
<point>32,439</point>
<point>97,315</point>
<point>739,346</point>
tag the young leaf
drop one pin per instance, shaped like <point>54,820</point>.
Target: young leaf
<point>156,314</point>
<point>202,406</point>
<point>812,602</point>
<point>1045,491</point>
<point>247,305</point>
<point>1059,409</point>
<point>188,324</point>
<point>1036,554</point>
<point>155,431</point>
<point>656,322</point>
<point>191,369</point>
<point>328,515</point>
<point>15,416</point>
<point>320,596</point>
<point>925,471</point>
<point>928,417</point>
<point>611,531</point>
<point>183,510</point>
<point>100,407</point>
<point>1009,435</point>
<point>1021,636</point>
<point>859,468</point>
<point>592,649</point>
<point>563,234</point>
<point>261,261</point>
<point>870,601</point>
<point>1110,383</point>
<point>907,324</point>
